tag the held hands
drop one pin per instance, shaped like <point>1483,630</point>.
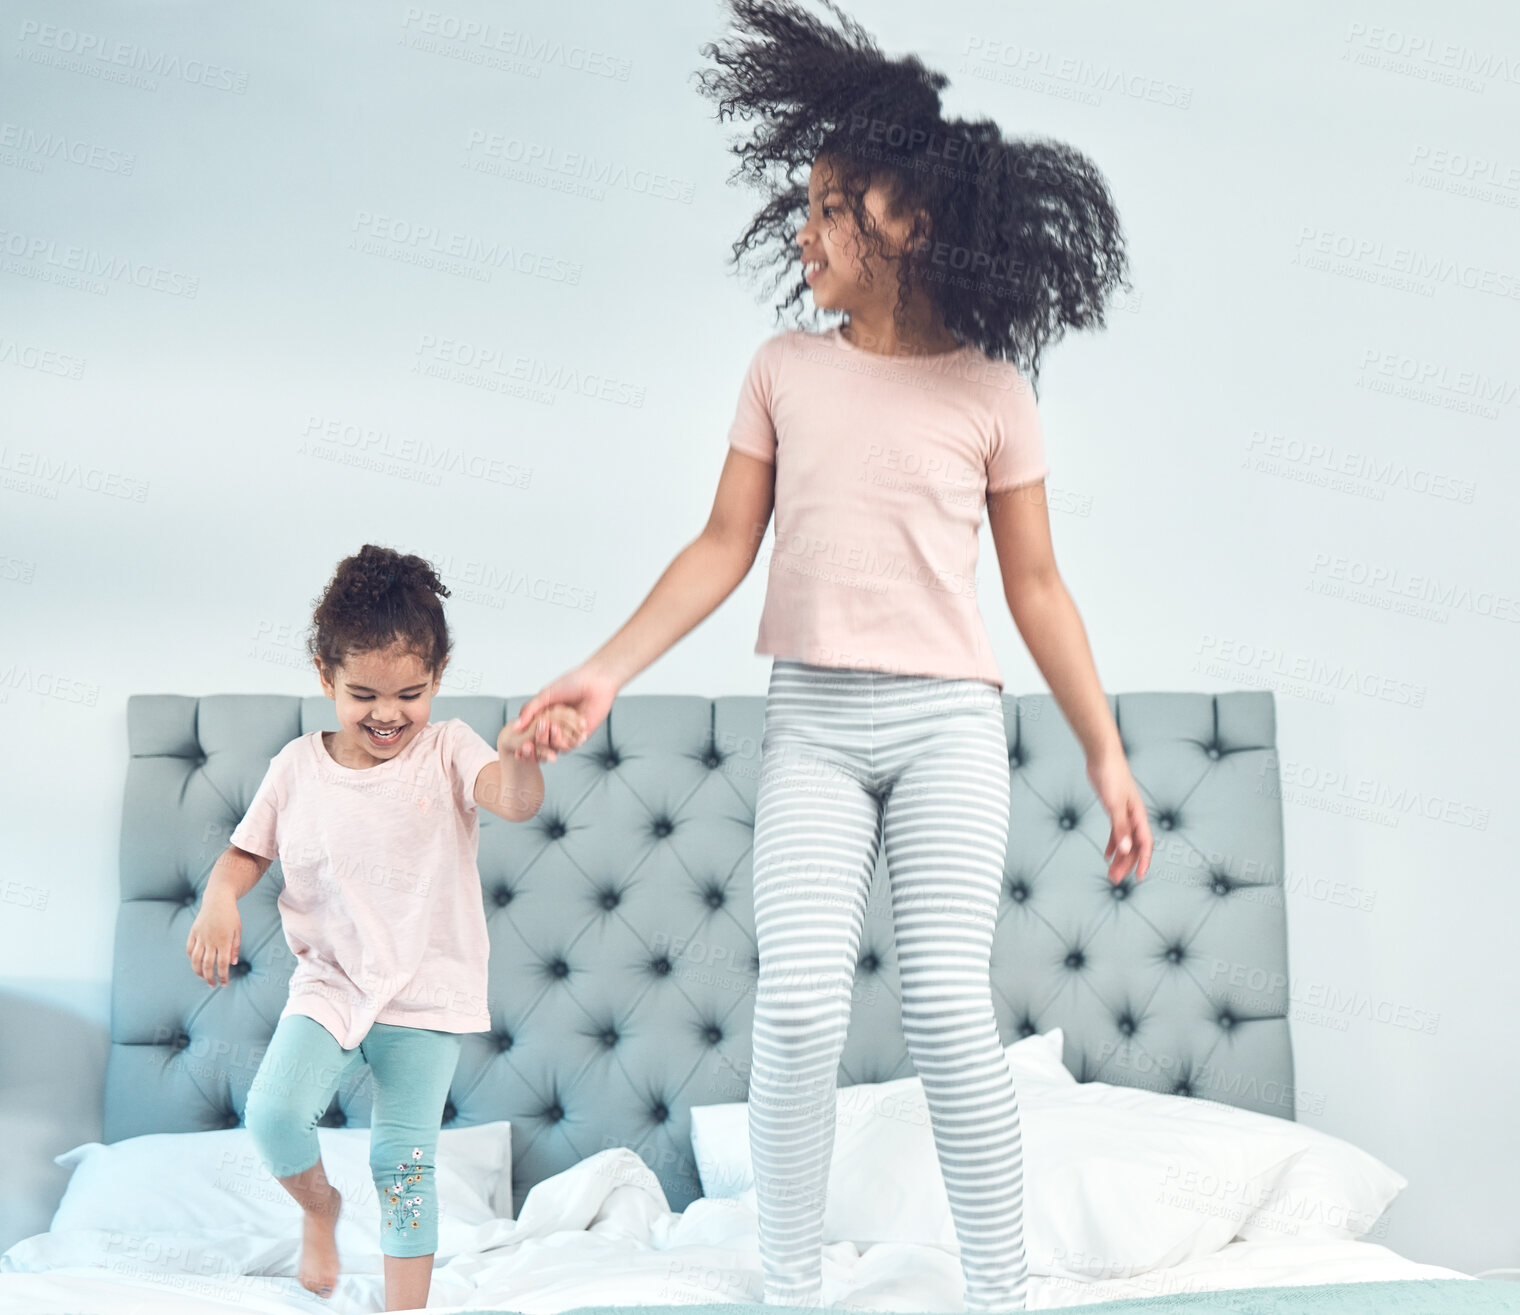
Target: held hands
<point>555,728</point>
<point>215,936</point>
<point>1129,842</point>
<point>587,691</point>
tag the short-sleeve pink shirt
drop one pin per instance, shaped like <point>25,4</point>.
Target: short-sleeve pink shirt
<point>382,903</point>
<point>883,464</point>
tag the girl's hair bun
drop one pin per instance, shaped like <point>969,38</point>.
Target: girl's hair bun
<point>378,599</point>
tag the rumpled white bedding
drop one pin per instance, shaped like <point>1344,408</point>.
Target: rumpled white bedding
<point>602,1233</point>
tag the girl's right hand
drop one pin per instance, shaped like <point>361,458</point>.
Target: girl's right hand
<point>215,936</point>
<point>586,689</point>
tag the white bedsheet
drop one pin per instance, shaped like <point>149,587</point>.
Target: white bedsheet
<point>602,1233</point>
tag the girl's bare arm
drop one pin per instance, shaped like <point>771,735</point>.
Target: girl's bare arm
<point>235,873</point>
<point>1052,629</point>
<point>217,931</point>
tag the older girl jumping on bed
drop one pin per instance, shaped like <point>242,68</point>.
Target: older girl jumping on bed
<point>376,827</point>
<point>951,256</point>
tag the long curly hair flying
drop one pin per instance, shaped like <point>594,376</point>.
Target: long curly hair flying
<point>379,599</point>
<point>1022,237</point>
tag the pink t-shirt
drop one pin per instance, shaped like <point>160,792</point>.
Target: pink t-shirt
<point>382,904</point>
<point>882,469</point>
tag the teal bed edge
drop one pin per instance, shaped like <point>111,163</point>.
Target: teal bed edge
<point>1429,1296</point>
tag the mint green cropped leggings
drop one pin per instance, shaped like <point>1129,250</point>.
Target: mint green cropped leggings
<point>412,1068</point>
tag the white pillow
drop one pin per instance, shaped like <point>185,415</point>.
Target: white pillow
<point>1333,1191</point>
<point>1037,1061</point>
<point>212,1181</point>
<point>1110,1188</point>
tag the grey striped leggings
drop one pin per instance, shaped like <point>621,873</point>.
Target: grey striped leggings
<point>853,759</point>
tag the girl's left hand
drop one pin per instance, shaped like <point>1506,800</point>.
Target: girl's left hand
<point>1129,842</point>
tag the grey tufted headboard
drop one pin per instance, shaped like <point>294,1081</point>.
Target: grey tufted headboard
<point>623,956</point>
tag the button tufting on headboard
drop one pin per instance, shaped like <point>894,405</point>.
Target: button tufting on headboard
<point>623,960</point>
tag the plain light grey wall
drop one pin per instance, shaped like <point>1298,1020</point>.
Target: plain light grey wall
<point>278,281</point>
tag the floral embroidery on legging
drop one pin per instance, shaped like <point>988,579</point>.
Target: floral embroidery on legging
<point>405,1210</point>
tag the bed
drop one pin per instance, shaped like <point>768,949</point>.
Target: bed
<point>593,1141</point>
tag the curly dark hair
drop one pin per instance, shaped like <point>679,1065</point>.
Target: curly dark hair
<point>1023,238</point>
<point>380,599</point>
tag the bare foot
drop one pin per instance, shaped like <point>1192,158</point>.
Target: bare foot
<point>319,1246</point>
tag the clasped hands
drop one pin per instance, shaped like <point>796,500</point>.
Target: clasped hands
<point>557,727</point>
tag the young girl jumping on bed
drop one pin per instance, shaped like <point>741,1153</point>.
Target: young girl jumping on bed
<point>952,255</point>
<point>376,827</point>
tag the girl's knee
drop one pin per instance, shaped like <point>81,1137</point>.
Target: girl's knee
<point>797,1023</point>
<point>928,1026</point>
<point>284,1133</point>
<point>272,1114</point>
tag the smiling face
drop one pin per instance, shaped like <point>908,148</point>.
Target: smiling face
<point>381,689</point>
<point>836,258</point>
